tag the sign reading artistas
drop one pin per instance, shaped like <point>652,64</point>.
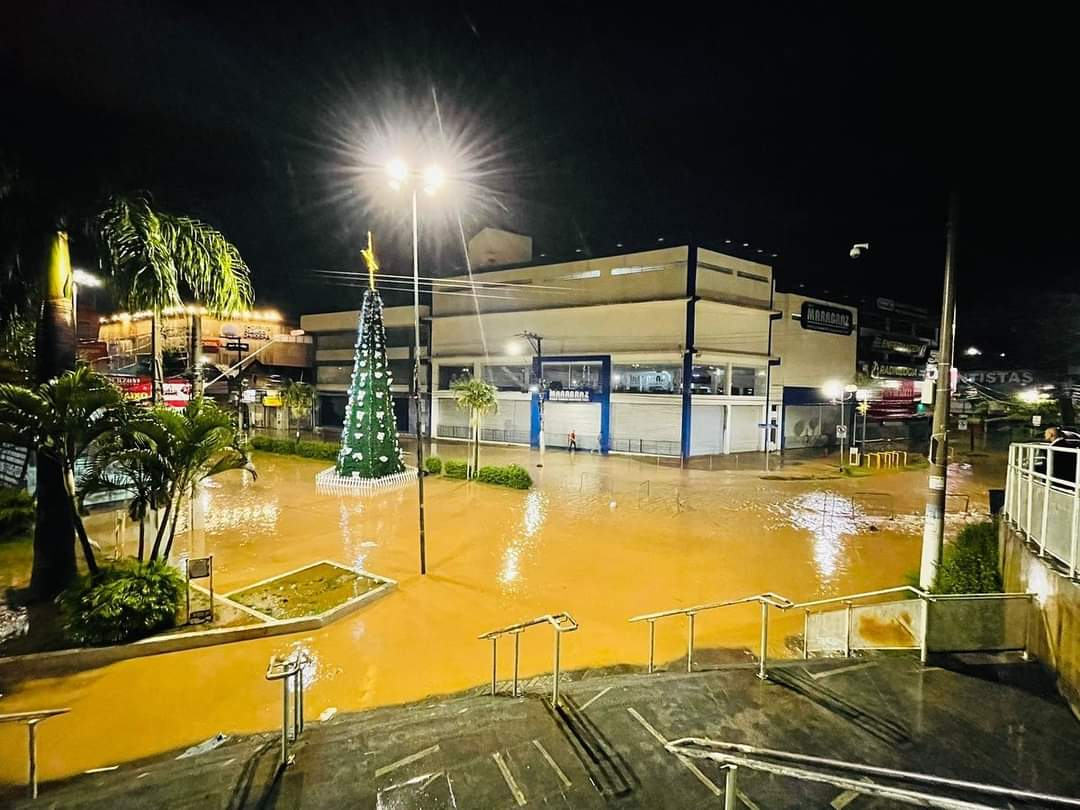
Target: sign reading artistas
<point>823,318</point>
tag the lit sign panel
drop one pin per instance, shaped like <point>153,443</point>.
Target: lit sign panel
<point>823,318</point>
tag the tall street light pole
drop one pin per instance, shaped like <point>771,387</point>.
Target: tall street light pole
<point>934,525</point>
<point>431,178</point>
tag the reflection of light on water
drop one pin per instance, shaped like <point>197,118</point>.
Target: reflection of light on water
<point>357,548</point>
<point>314,670</point>
<point>258,517</point>
<point>829,521</point>
<point>534,512</point>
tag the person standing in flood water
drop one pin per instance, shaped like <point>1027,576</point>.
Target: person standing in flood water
<point>571,439</point>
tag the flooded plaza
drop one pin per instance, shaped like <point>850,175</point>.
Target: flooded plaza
<point>601,538</point>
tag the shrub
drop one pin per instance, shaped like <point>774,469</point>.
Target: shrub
<point>327,451</point>
<point>513,476</point>
<point>455,469</point>
<point>124,602</point>
<point>970,562</point>
<point>433,465</point>
<point>16,514</point>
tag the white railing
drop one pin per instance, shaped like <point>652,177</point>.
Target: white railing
<point>559,622</point>
<point>31,720</point>
<point>929,623</point>
<point>907,787</point>
<point>1042,499</point>
<point>290,671</point>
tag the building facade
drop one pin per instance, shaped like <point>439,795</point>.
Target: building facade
<point>334,335</point>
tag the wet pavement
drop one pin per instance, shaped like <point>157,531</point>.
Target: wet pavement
<point>605,744</point>
<point>601,538</point>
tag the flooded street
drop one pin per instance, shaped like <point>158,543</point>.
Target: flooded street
<point>601,538</point>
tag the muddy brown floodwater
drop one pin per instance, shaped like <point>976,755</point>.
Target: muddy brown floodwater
<point>591,538</point>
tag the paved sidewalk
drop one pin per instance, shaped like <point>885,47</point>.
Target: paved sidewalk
<point>978,721</point>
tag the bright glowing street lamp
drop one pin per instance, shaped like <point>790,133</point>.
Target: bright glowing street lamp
<point>430,180</point>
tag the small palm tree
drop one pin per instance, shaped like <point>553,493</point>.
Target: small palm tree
<point>299,399</point>
<point>194,444</point>
<point>477,398</point>
<point>60,420</point>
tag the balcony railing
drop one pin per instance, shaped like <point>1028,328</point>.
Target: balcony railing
<point>1042,499</point>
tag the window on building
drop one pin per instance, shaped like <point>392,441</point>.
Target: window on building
<point>448,375</point>
<point>575,375</point>
<point>334,375</point>
<point>646,378</point>
<point>336,340</point>
<point>709,380</point>
<point>508,378</point>
<point>402,371</point>
<point>747,381</point>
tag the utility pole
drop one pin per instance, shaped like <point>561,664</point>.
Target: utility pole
<point>934,525</point>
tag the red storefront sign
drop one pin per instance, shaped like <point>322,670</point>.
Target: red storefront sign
<point>175,391</point>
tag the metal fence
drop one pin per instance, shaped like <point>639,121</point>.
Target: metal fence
<point>1042,499</point>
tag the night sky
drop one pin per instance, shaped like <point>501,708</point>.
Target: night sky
<point>797,130</point>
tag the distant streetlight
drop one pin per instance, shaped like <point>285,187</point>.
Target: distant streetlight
<point>431,180</point>
<point>536,343</point>
<point>972,351</point>
<point>80,278</point>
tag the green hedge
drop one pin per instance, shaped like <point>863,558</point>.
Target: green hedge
<point>16,514</point>
<point>970,562</point>
<point>124,602</point>
<point>327,451</point>
<point>433,465</point>
<point>455,469</point>
<point>513,476</point>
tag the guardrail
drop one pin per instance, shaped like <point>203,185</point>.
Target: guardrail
<point>765,599</point>
<point>31,719</point>
<point>289,670</point>
<point>806,768</point>
<point>955,627</point>
<point>559,622</point>
<point>1042,500</point>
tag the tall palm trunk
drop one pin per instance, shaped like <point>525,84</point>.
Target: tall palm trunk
<point>194,353</point>
<point>54,530</point>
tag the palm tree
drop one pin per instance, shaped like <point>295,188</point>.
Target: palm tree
<point>477,398</point>
<point>194,444</point>
<point>127,461</point>
<point>149,254</point>
<point>152,257</point>
<point>60,420</point>
<point>299,399</point>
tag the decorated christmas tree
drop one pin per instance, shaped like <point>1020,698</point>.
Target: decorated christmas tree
<point>370,455</point>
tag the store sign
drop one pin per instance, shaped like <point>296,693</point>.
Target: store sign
<point>889,305</point>
<point>899,346</point>
<point>176,392</point>
<point>569,395</point>
<point>891,371</point>
<point>1015,378</point>
<point>823,318</point>
<point>272,400</point>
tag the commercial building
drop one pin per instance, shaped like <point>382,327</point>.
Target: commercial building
<point>334,335</point>
<point>679,350</point>
<point>669,351</point>
<point>246,358</point>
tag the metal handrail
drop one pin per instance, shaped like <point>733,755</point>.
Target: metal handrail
<point>766,600</point>
<point>560,623</point>
<point>31,719</point>
<point>1022,475</point>
<point>736,755</point>
<point>770,599</point>
<point>286,670</point>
